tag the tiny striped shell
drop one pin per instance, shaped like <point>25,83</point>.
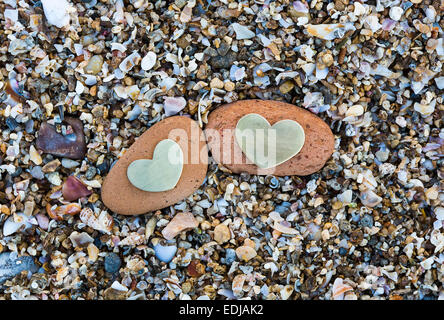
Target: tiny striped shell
<point>133,239</point>
<point>104,222</point>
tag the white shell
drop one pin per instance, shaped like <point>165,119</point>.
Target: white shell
<point>90,79</point>
<point>11,227</point>
<point>396,13</point>
<point>56,12</point>
<point>242,32</point>
<point>370,199</point>
<point>346,196</point>
<point>119,287</point>
<point>439,212</point>
<point>321,73</point>
<point>104,222</point>
<point>129,62</point>
<point>118,46</point>
<point>440,82</point>
<point>173,105</point>
<point>149,61</point>
<point>121,92</point>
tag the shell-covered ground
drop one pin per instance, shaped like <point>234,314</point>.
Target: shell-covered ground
<point>369,225</point>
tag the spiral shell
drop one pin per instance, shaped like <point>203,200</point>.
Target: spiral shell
<point>133,239</point>
<point>104,222</point>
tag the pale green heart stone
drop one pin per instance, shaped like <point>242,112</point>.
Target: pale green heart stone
<point>162,173</point>
<point>268,146</point>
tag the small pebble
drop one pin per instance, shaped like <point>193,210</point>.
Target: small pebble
<point>112,262</point>
<point>221,233</point>
<point>90,173</point>
<point>94,65</point>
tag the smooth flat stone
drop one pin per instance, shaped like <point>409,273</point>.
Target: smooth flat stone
<point>119,195</point>
<point>317,148</point>
<point>11,265</point>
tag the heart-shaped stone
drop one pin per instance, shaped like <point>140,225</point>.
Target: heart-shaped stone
<point>162,173</point>
<point>265,145</point>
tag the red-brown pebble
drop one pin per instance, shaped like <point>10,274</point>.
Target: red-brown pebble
<point>119,195</point>
<point>317,149</point>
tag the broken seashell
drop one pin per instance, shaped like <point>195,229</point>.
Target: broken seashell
<point>339,288</point>
<point>370,199</point>
<point>355,111</point>
<point>329,31</point>
<point>186,14</point>
<point>15,94</point>
<point>133,239</point>
<point>72,145</point>
<point>425,109</point>
<point>17,221</point>
<point>149,61</point>
<point>94,65</point>
<point>242,32</point>
<point>182,221</point>
<point>104,222</point>
<point>284,228</point>
<point>275,216</point>
<point>74,189</point>
<point>236,73</point>
<point>35,156</point>
<point>172,105</point>
<point>80,239</point>
<point>237,284</point>
<point>58,212</point>
<point>286,292</point>
<point>118,46</point>
<point>129,62</point>
<point>43,221</point>
<point>246,253</point>
<point>345,197</point>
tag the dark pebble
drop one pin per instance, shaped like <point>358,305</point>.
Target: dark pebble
<point>112,263</point>
<point>282,209</point>
<point>230,256</point>
<point>11,123</point>
<point>210,52</point>
<point>223,48</point>
<point>343,251</point>
<point>11,265</point>
<point>17,172</point>
<point>367,221</point>
<point>103,168</point>
<point>98,243</point>
<point>223,62</point>
<point>90,173</point>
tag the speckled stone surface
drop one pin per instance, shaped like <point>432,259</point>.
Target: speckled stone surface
<point>119,195</point>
